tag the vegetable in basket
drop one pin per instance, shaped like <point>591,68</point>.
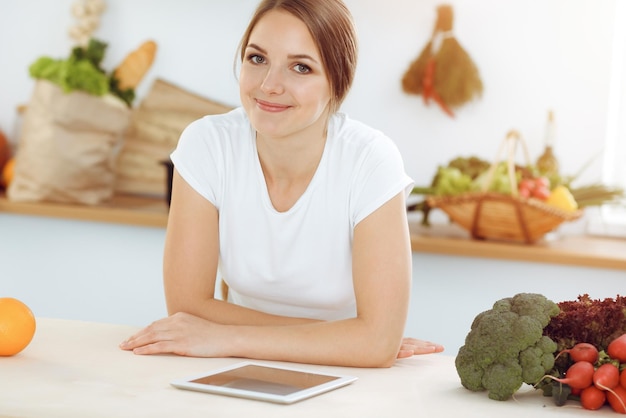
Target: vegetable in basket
<point>450,179</point>
<point>562,194</point>
<point>500,182</point>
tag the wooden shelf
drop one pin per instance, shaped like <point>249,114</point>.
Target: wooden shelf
<point>573,250</point>
<point>122,209</point>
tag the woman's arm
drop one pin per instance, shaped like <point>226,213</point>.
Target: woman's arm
<point>203,326</point>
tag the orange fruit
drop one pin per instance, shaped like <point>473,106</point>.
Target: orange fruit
<point>17,326</point>
<point>7,173</point>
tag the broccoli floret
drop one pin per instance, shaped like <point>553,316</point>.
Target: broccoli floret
<point>537,359</point>
<point>503,379</point>
<point>506,347</point>
<point>531,361</point>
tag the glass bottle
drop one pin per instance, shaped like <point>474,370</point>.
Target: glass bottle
<point>547,164</point>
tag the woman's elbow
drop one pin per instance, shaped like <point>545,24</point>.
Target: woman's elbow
<point>379,355</point>
<point>379,361</point>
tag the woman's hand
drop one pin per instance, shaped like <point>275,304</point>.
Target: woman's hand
<point>183,334</point>
<point>188,335</point>
<point>412,346</point>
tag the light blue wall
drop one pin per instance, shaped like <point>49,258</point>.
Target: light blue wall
<point>112,273</point>
<point>82,270</point>
<point>448,292</point>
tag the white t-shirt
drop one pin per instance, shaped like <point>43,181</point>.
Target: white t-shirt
<point>296,263</point>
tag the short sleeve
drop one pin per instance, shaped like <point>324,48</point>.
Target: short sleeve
<point>197,159</point>
<point>379,177</point>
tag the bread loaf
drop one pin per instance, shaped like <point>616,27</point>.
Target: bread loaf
<point>135,66</point>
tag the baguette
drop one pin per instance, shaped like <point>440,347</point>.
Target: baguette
<point>135,66</point>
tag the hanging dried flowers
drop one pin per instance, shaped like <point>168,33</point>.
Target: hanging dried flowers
<point>443,72</point>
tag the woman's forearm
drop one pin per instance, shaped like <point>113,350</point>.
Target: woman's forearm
<point>225,313</point>
<point>351,342</point>
<point>356,342</point>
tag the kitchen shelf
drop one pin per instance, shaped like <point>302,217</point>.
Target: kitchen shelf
<point>572,250</point>
<point>121,209</point>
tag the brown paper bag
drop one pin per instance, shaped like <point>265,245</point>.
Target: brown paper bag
<point>68,146</point>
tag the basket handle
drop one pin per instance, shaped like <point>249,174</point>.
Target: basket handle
<point>510,143</point>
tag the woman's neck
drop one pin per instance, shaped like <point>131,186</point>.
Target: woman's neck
<point>294,157</point>
<point>289,164</point>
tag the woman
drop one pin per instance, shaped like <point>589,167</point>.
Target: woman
<point>303,208</point>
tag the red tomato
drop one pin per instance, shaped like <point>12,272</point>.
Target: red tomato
<point>524,192</point>
<point>542,182</point>
<point>541,193</point>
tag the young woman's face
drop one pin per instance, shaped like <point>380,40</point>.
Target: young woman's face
<point>283,86</point>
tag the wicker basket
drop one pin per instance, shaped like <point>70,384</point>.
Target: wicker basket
<point>490,215</point>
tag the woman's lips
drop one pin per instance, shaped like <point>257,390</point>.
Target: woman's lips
<point>271,107</point>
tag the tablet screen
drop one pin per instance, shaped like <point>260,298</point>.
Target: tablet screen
<point>263,382</point>
<point>266,379</point>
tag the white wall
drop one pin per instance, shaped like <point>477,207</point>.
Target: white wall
<point>533,55</point>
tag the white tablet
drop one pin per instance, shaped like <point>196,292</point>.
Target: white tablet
<point>263,382</point>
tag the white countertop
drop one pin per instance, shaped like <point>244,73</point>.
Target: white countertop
<point>75,369</point>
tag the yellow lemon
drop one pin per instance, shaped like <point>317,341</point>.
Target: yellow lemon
<point>562,198</point>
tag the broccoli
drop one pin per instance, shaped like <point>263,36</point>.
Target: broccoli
<point>506,346</point>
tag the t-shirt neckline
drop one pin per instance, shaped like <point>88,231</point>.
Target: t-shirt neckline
<point>314,180</point>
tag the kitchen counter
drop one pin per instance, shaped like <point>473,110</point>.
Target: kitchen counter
<point>75,369</point>
<point>577,250</point>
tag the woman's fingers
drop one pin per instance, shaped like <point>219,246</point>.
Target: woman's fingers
<point>142,339</point>
<point>181,333</point>
<point>413,346</point>
<point>155,338</point>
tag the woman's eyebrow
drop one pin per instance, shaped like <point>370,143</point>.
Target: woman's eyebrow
<point>302,56</point>
<point>258,48</point>
<point>290,56</point>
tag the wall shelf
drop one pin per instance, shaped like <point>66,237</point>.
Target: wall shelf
<point>122,209</point>
<point>572,250</point>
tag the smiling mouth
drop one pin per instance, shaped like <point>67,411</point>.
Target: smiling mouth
<point>271,107</point>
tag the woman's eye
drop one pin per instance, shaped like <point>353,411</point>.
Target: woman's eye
<point>302,69</point>
<point>256,59</point>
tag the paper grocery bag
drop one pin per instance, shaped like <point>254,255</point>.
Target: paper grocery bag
<point>68,146</point>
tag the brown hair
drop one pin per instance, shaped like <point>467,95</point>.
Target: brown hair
<point>332,28</point>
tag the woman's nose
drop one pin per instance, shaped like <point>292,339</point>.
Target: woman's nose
<point>273,81</point>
